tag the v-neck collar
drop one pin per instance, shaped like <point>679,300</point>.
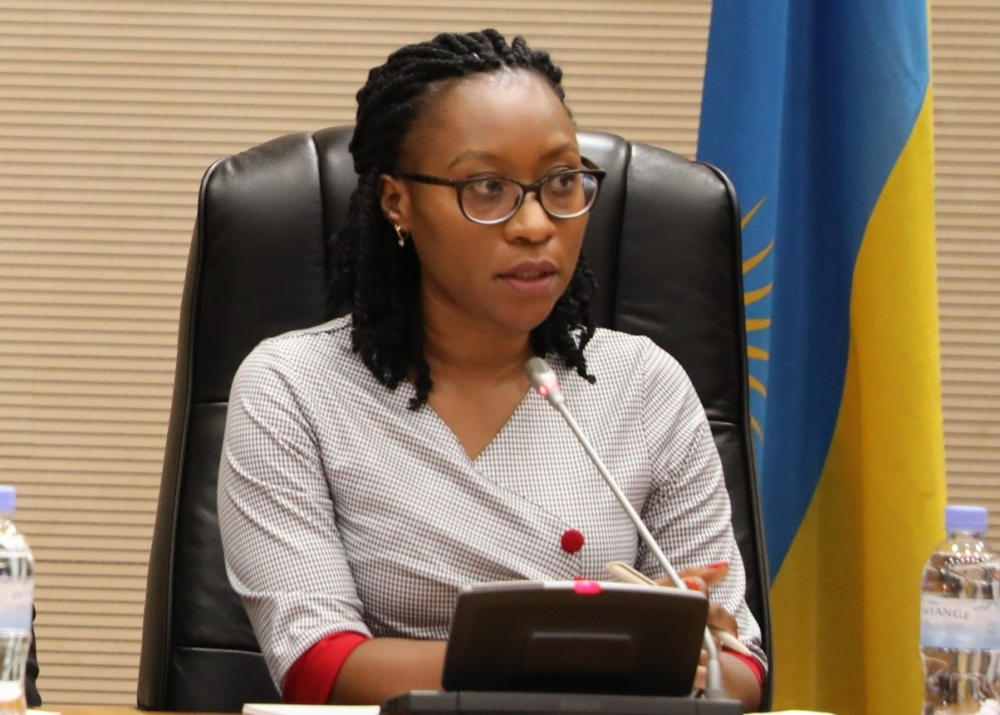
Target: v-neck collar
<point>483,455</point>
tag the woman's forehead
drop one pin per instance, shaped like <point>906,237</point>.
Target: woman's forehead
<point>489,112</point>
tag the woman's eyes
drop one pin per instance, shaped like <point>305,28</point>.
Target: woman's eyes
<point>489,186</point>
<point>564,177</point>
<point>564,180</point>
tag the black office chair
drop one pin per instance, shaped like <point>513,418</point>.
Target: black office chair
<point>31,671</point>
<point>663,240</point>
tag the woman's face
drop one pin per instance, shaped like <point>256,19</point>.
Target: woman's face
<point>507,276</point>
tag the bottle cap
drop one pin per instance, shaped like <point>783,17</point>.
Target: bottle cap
<point>8,499</point>
<point>972,519</point>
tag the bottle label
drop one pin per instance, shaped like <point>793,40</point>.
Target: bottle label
<point>15,603</point>
<point>959,622</point>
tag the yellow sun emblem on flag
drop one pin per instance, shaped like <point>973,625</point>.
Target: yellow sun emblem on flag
<point>757,327</point>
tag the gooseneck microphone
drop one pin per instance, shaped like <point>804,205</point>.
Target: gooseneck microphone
<point>544,381</point>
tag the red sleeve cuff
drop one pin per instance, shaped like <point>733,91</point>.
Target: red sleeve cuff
<point>310,679</point>
<point>755,667</point>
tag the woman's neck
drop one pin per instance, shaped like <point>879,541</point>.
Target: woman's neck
<point>468,353</point>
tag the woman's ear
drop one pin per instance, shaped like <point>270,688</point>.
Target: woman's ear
<point>394,200</point>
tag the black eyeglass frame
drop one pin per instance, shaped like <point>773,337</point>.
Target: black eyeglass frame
<point>536,187</point>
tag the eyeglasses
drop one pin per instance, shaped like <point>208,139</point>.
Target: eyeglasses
<point>490,200</point>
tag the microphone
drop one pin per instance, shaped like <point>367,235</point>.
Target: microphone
<point>544,381</point>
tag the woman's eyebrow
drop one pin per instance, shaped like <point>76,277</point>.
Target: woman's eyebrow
<point>471,154</point>
<point>486,155</point>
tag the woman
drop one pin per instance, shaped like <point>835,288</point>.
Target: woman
<point>375,464</point>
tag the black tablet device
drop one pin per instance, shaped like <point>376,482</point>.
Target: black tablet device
<point>575,637</point>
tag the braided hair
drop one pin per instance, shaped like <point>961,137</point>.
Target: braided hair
<point>380,280</point>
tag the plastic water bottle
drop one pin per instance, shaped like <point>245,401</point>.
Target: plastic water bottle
<point>960,619</point>
<point>17,587</point>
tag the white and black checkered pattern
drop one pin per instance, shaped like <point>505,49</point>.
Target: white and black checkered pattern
<point>342,509</point>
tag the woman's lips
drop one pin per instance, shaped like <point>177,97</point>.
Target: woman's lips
<point>531,278</point>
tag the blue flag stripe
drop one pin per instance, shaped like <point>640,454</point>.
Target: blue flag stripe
<point>804,109</point>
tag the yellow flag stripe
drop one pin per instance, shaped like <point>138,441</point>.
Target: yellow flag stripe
<point>830,593</point>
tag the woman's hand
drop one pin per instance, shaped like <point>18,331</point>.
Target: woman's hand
<point>719,619</point>
<point>738,681</point>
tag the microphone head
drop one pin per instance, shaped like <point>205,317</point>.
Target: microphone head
<point>543,379</point>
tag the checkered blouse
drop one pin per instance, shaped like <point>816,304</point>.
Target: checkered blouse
<point>341,509</point>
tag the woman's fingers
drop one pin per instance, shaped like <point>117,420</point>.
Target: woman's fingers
<point>700,676</point>
<point>700,578</point>
<point>721,619</point>
<point>696,583</point>
<point>712,574</point>
<point>701,672</point>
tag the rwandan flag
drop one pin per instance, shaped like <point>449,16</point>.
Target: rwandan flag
<point>820,112</point>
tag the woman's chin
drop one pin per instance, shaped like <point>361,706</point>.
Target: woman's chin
<point>526,321</point>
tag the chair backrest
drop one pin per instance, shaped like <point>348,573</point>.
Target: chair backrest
<point>663,240</point>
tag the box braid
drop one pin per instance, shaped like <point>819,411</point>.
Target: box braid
<point>380,280</point>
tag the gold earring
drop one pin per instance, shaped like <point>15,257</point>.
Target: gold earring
<point>401,234</point>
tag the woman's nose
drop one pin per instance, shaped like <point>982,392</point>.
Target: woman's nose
<point>531,222</point>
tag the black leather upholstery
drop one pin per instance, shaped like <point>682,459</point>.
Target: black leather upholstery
<point>31,671</point>
<point>664,241</point>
